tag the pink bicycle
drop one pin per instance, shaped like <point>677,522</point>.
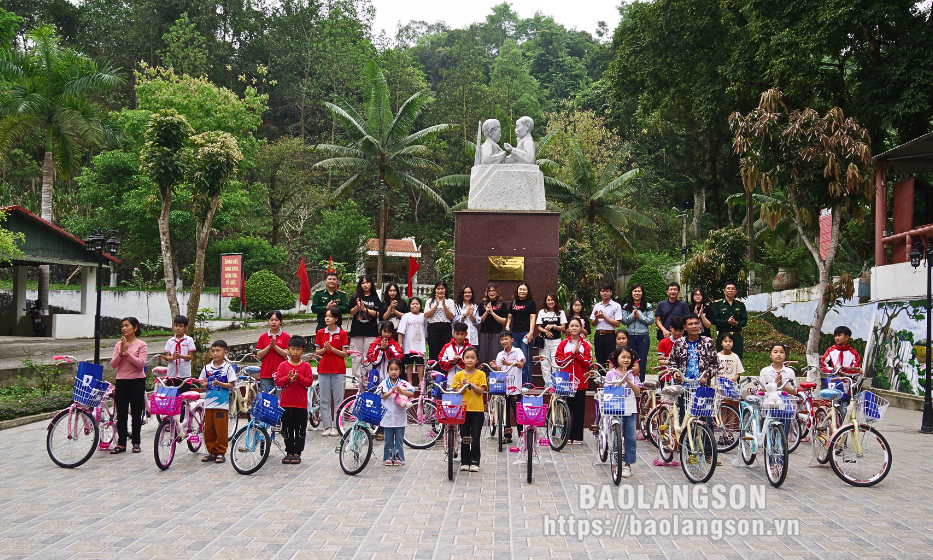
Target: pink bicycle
<point>531,414</point>
<point>88,424</point>
<point>172,429</point>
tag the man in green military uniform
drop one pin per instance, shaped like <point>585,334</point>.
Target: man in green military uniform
<point>322,300</point>
<point>730,316</point>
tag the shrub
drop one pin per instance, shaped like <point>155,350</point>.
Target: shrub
<point>578,272</point>
<point>341,233</point>
<point>652,283</point>
<point>721,259</point>
<point>32,402</point>
<point>265,292</point>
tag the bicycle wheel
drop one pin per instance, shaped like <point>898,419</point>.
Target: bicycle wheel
<point>70,448</point>
<point>615,453</point>
<point>450,441</point>
<point>530,449</point>
<point>500,422</point>
<point>661,416</point>
<point>314,405</point>
<point>196,437</point>
<point>356,446</point>
<point>644,409</point>
<point>747,436</point>
<point>250,448</point>
<point>602,440</point>
<point>821,436</point>
<point>107,424</point>
<point>164,443</point>
<point>727,428</point>
<point>422,431</point>
<point>776,454</point>
<point>867,468</point>
<point>793,436</point>
<point>698,453</point>
<point>345,418</point>
<point>558,424</point>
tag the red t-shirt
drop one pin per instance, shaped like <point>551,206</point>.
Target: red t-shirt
<point>330,362</point>
<point>272,360</point>
<point>294,393</point>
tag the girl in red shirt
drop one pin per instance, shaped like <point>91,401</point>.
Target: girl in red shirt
<point>575,355</point>
<point>271,354</point>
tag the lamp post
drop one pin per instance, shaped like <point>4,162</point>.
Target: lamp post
<point>918,252</point>
<point>97,243</point>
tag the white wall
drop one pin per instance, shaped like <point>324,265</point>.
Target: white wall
<point>898,282</point>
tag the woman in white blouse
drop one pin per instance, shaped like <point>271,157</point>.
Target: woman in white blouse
<point>439,312</point>
<point>468,313</point>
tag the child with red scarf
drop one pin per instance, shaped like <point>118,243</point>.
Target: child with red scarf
<point>384,349</point>
<point>841,354</point>
<point>451,357</point>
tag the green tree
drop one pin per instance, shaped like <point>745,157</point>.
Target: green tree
<point>9,242</point>
<point>280,171</point>
<point>50,88</point>
<point>384,151</point>
<point>719,260</point>
<point>185,51</point>
<point>342,233</point>
<point>513,83</point>
<point>9,25</point>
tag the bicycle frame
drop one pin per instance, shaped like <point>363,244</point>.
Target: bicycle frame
<point>833,421</point>
<point>96,412</point>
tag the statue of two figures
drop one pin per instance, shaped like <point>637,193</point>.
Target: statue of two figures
<point>490,152</point>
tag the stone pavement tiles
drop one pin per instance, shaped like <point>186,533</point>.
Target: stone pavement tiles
<point>123,506</point>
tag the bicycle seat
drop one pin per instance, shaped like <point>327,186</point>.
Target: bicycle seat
<point>252,370</point>
<point>753,399</point>
<point>831,394</point>
<point>191,395</point>
<point>673,390</point>
<point>160,370</point>
<point>650,385</point>
<point>807,385</point>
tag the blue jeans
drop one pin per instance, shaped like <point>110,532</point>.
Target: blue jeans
<point>393,444</point>
<point>526,351</point>
<point>629,423</point>
<point>641,344</point>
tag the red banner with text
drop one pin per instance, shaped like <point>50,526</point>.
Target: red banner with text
<point>231,275</point>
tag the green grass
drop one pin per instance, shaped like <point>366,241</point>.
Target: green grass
<point>16,402</point>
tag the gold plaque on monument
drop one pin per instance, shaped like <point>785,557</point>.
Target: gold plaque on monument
<point>506,268</point>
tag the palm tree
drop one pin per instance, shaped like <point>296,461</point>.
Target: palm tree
<point>586,199</point>
<point>49,88</point>
<point>383,151</point>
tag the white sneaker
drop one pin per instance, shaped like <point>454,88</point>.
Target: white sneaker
<point>330,432</point>
<point>465,467</point>
<point>474,468</point>
<point>626,471</point>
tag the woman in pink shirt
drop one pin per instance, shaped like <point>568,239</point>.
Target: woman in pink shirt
<point>129,359</point>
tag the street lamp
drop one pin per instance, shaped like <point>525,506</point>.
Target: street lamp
<point>98,243</point>
<point>918,252</point>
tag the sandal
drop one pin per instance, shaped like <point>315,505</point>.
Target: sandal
<point>118,449</point>
<point>380,437</point>
<point>389,463</point>
<point>296,459</point>
<point>287,460</point>
<point>209,458</point>
<point>137,448</point>
<point>220,459</point>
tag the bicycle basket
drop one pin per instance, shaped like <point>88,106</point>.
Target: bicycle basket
<point>266,409</point>
<point>531,411</point>
<point>372,380</point>
<point>726,388</point>
<point>564,384</point>
<point>617,401</point>
<point>497,383</point>
<point>164,405</point>
<point>869,407</point>
<point>702,400</point>
<point>368,408</point>
<point>451,410</point>
<point>784,410</point>
<point>91,393</point>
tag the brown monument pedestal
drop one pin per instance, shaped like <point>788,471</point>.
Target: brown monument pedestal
<point>479,235</point>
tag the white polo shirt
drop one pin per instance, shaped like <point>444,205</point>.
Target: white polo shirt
<point>612,310</point>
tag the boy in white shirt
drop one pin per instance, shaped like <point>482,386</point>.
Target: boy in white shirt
<point>179,351</point>
<point>511,360</point>
<point>219,378</point>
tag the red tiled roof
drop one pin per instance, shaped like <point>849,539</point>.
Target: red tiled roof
<point>393,246</point>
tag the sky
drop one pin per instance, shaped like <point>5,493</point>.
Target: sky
<point>581,14</point>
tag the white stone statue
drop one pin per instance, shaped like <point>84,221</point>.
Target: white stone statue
<point>524,152</point>
<point>490,152</point>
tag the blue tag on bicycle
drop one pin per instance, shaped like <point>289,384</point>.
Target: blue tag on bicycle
<point>452,399</point>
<point>529,400</point>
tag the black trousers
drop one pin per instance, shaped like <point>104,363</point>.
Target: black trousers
<point>294,423</point>
<point>129,397</point>
<point>472,427</point>
<point>438,335</point>
<point>603,346</point>
<point>577,404</point>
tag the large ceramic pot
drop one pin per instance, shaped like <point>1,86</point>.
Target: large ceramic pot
<point>785,279</point>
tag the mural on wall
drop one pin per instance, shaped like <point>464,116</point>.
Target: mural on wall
<point>895,358</point>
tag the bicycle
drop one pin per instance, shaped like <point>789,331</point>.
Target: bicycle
<point>558,418</point>
<point>75,432</point>
<point>727,422</point>
<point>763,427</point>
<point>314,393</point>
<point>692,437</point>
<point>356,443</point>
<point>451,412</point>
<point>531,414</point>
<point>497,417</point>
<point>172,430</point>
<point>344,410</point>
<point>252,444</point>
<point>244,390</point>
<point>647,403</point>
<point>612,402</point>
<point>421,429</point>
<point>851,444</point>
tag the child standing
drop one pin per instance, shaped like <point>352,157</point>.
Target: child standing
<point>622,340</point>
<point>511,360</point>
<point>412,335</point>
<point>620,375</point>
<point>220,377</point>
<point>294,376</point>
<point>777,377</point>
<point>331,344</point>
<point>272,350</point>
<point>472,384</point>
<point>841,354</point>
<point>179,351</point>
<point>395,418</point>
<point>729,361</point>
<point>384,349</point>
<point>666,345</point>
<point>451,356</point>
<point>575,355</point>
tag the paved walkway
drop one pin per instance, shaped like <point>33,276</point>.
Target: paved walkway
<point>122,507</point>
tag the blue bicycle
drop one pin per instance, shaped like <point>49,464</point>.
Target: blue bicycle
<point>356,443</point>
<point>251,444</point>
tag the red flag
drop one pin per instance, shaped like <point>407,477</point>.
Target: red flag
<point>412,269</point>
<point>304,293</point>
<point>330,265</point>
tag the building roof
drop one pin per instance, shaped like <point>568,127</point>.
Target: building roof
<point>45,243</point>
<point>915,156</point>
<point>395,247</point>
